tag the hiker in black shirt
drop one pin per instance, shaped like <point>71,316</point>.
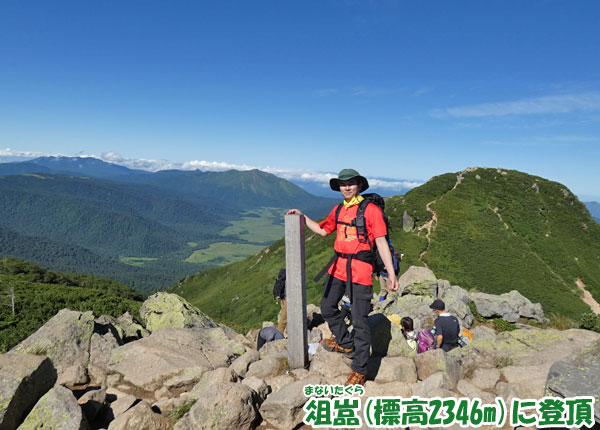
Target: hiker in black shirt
<point>446,327</point>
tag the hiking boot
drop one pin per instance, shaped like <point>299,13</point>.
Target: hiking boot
<point>333,346</point>
<point>356,378</point>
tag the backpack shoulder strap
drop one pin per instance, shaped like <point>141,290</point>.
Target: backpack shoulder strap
<point>337,213</point>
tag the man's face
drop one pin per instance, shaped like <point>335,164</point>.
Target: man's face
<point>349,188</point>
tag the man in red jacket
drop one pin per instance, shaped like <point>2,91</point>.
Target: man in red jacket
<point>347,247</point>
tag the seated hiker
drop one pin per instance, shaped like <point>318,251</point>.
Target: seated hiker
<point>266,335</point>
<point>279,294</point>
<point>446,327</point>
<point>409,333</point>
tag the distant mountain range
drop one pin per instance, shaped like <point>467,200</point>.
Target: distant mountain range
<point>494,231</point>
<point>141,228</point>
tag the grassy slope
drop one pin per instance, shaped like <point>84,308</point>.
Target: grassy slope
<point>470,247</point>
<point>40,294</point>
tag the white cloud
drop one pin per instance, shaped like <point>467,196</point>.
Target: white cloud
<point>557,104</point>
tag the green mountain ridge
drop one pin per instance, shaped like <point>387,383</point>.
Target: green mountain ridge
<point>496,230</point>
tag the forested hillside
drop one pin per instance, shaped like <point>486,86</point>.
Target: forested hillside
<point>144,229</point>
<point>494,231</point>
<point>38,294</point>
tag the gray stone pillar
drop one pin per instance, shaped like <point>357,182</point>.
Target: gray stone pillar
<point>295,290</point>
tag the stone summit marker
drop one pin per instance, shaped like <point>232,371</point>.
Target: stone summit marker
<point>296,291</point>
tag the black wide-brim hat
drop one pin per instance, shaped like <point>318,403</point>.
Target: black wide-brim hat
<point>346,175</point>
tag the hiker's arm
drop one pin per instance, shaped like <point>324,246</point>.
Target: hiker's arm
<point>386,256</point>
<point>439,339</point>
<point>313,225</point>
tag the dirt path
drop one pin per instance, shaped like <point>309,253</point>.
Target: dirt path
<point>429,226</point>
<point>587,297</point>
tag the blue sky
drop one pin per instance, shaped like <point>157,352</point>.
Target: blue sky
<point>396,89</point>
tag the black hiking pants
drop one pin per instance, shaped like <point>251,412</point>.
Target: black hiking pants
<point>361,296</point>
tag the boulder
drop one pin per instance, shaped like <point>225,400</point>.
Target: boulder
<point>392,369</point>
<point>92,402</point>
<point>167,405</point>
<point>149,362</point>
<point>24,379</point>
<point>528,381</point>
<point>164,310</point>
<point>508,306</point>
<point>140,417</point>
<point>330,364</point>
<point>419,281</point>
<point>435,385</point>
<point>122,404</point>
<point>258,385</point>
<point>56,410</point>
<point>436,360</point>
<point>130,329</point>
<point>485,379</point>
<point>263,369</point>
<point>65,338</point>
<point>225,406</point>
<point>469,390</point>
<point>577,375</point>
<point>276,348</point>
<point>389,389</point>
<point>222,375</point>
<point>276,383</point>
<point>408,223</point>
<point>417,307</point>
<point>283,409</point>
<point>106,337</point>
<point>241,364</point>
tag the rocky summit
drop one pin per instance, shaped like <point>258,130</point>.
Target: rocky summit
<point>173,367</point>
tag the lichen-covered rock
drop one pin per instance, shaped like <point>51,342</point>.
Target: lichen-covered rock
<point>437,360</point>
<point>149,362</point>
<point>65,338</point>
<point>129,329</point>
<point>416,274</point>
<point>408,223</point>
<point>140,417</point>
<point>276,348</point>
<point>56,410</point>
<point>283,409</point>
<point>577,375</point>
<point>24,379</point>
<point>508,306</point>
<point>225,406</point>
<point>417,307</point>
<point>164,310</point>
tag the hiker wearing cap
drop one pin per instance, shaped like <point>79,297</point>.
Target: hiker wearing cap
<point>352,269</point>
<point>447,326</point>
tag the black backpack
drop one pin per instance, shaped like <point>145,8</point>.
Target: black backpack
<point>279,287</point>
<point>372,256</point>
